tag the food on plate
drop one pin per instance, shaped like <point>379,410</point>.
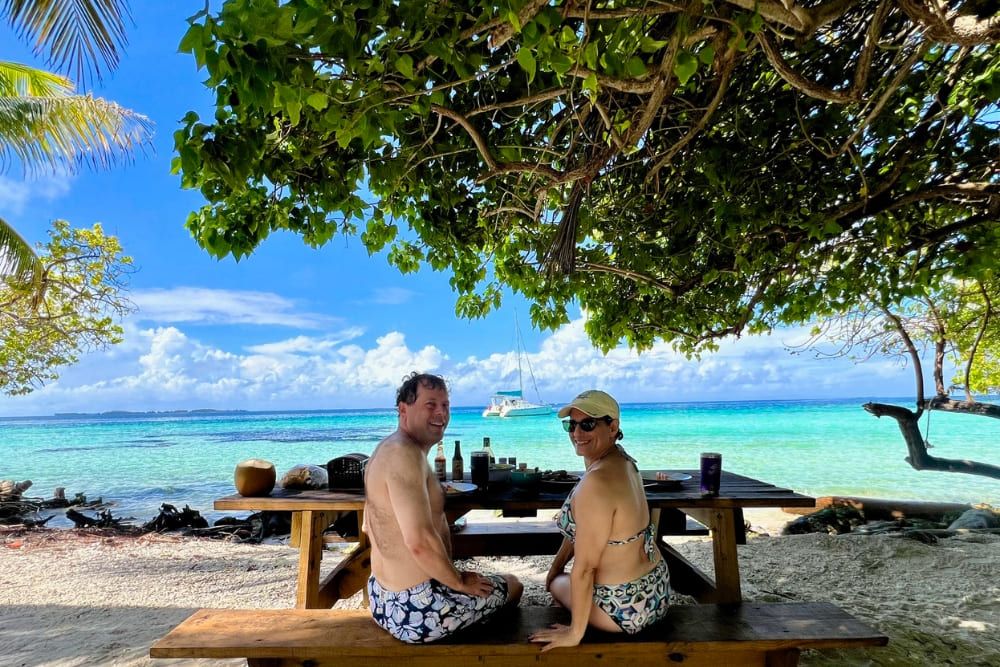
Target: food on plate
<point>558,476</point>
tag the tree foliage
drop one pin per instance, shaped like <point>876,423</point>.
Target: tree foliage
<point>685,170</point>
<point>57,305</point>
<point>958,323</point>
<point>83,274</point>
<point>44,123</point>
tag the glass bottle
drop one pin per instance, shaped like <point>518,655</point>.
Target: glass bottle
<point>457,465</point>
<point>489,450</point>
<point>440,463</point>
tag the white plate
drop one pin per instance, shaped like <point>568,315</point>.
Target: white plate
<point>667,476</point>
<point>457,488</point>
<point>670,479</point>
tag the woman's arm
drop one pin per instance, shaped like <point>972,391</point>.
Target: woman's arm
<point>563,556</point>
<point>593,508</point>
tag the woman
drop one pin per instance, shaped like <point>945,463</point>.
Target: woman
<point>618,582</point>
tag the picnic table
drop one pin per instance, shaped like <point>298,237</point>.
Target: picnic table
<point>314,510</point>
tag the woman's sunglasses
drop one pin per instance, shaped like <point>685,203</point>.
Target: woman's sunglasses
<point>587,425</point>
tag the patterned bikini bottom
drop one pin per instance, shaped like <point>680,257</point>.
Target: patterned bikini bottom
<point>636,604</point>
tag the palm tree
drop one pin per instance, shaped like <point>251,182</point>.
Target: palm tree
<point>44,123</point>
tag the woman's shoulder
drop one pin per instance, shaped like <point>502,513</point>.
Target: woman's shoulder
<point>608,479</point>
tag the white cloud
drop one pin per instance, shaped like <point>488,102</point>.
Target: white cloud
<point>198,305</point>
<point>165,368</point>
<point>391,296</point>
<point>307,344</point>
<point>16,195</point>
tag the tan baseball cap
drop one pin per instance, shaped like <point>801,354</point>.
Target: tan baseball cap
<point>595,403</point>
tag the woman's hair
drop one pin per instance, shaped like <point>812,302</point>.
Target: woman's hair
<point>411,383</point>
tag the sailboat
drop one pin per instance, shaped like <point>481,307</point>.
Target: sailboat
<point>512,403</point>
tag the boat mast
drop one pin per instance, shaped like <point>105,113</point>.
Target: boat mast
<point>517,347</point>
<point>520,345</point>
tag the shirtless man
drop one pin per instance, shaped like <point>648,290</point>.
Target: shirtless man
<point>415,592</point>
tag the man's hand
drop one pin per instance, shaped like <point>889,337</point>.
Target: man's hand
<point>475,584</point>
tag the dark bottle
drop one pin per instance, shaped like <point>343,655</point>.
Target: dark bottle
<point>457,465</point>
<point>489,450</point>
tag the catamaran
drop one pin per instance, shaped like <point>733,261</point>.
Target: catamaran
<point>512,403</point>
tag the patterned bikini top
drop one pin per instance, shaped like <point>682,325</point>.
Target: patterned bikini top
<point>567,526</point>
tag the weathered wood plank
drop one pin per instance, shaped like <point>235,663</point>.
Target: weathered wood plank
<point>751,633</point>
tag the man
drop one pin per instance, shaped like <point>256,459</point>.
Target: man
<point>415,592</point>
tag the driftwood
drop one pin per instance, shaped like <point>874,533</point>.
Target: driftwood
<point>873,509</point>
<point>104,519</point>
<point>170,519</point>
<point>922,521</point>
<point>12,490</point>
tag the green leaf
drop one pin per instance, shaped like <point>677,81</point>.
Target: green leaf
<point>526,59</point>
<point>560,63</point>
<point>404,65</point>
<point>317,101</point>
<point>685,66</point>
<point>635,67</point>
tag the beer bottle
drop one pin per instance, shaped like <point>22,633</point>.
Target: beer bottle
<point>489,450</point>
<point>440,463</point>
<point>457,465</point>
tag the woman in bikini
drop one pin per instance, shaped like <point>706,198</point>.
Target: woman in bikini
<point>618,582</point>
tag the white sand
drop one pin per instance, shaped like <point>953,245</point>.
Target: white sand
<point>71,601</point>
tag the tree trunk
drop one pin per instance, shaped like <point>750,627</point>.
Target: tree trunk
<point>919,459</point>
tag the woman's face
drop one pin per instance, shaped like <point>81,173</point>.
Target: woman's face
<point>592,444</point>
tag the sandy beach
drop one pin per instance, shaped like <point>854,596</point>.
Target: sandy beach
<point>69,599</point>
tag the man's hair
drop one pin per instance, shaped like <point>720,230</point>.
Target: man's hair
<point>412,382</point>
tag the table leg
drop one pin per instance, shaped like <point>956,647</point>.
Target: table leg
<point>686,578</point>
<point>350,575</point>
<point>309,537</point>
<point>727,566</point>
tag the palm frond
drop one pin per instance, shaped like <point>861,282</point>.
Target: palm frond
<point>69,132</point>
<point>19,80</point>
<point>20,267</point>
<point>77,35</point>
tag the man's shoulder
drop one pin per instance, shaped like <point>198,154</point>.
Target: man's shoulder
<point>396,444</point>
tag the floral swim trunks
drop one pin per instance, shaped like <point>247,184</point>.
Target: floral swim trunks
<point>431,611</point>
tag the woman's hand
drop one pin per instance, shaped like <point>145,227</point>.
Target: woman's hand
<point>555,635</point>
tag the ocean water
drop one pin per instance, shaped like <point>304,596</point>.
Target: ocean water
<point>137,462</point>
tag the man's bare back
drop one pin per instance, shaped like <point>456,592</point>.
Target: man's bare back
<point>415,592</point>
<point>393,563</point>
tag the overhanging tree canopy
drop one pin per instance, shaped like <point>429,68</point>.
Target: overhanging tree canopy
<point>686,170</point>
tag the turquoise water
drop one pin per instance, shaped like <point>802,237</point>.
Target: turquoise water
<point>818,448</point>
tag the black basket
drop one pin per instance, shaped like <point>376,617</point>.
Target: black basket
<point>346,473</point>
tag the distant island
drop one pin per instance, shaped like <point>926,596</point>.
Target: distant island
<point>130,413</point>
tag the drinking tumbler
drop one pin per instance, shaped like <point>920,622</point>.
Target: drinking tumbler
<point>480,465</point>
<point>711,473</point>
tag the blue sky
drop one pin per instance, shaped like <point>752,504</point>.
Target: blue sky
<point>296,328</point>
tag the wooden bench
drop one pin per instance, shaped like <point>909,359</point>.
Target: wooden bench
<point>751,633</point>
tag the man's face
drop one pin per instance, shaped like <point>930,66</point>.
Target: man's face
<point>426,420</point>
